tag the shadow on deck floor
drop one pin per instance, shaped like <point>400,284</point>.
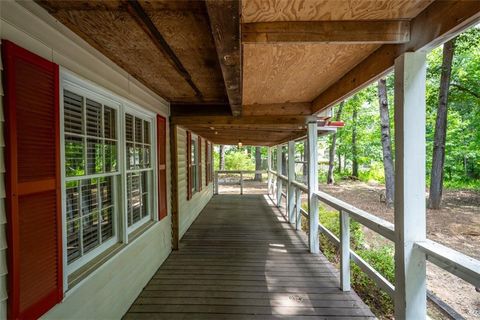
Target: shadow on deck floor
<point>241,260</point>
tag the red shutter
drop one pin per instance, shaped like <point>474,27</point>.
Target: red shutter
<point>162,166</point>
<point>189,165</point>
<point>35,278</point>
<point>199,164</point>
<point>207,165</point>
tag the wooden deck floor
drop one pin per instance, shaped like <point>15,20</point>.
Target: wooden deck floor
<point>241,260</point>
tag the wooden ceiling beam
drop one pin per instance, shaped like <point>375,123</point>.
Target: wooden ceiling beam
<point>196,109</point>
<point>301,108</point>
<point>225,24</point>
<point>147,25</point>
<point>373,31</point>
<point>224,120</point>
<point>436,24</point>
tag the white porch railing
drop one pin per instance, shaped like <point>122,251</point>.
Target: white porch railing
<point>240,173</point>
<point>446,258</point>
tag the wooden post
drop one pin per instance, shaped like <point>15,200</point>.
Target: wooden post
<point>216,182</point>
<point>279,172</point>
<point>298,213</point>
<point>291,178</point>
<point>312,186</point>
<point>410,212</point>
<point>344,251</point>
<point>174,185</point>
<point>241,182</point>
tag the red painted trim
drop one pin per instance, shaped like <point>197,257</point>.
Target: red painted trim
<point>335,124</point>
<point>200,163</point>
<point>189,165</point>
<point>11,53</point>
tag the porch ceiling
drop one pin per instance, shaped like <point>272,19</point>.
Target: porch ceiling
<point>275,62</point>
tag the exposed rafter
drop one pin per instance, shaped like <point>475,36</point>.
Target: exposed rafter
<point>144,21</point>
<point>436,24</point>
<point>244,120</point>
<point>225,24</point>
<point>374,31</point>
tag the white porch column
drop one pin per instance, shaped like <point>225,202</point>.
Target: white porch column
<point>312,134</point>
<point>279,172</point>
<point>410,212</point>
<point>269,167</point>
<point>291,178</point>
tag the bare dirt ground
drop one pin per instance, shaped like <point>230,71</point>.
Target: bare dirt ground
<point>456,225</point>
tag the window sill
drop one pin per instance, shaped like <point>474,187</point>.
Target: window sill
<point>140,230</point>
<point>84,271</point>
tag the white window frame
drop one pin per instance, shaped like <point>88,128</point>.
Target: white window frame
<point>71,82</point>
<point>195,178</point>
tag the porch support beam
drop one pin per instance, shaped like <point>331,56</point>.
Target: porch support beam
<point>279,172</point>
<point>439,22</point>
<point>410,212</point>
<point>247,120</point>
<point>291,178</point>
<point>374,31</point>
<point>312,135</point>
<point>225,25</point>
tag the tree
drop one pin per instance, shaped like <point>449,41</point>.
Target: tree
<point>221,161</point>
<point>354,141</point>
<point>386,142</point>
<point>258,163</point>
<point>331,154</point>
<point>438,159</point>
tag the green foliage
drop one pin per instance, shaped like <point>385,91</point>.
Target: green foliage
<point>380,259</point>
<point>239,161</point>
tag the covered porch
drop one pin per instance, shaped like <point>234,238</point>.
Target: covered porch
<point>242,259</point>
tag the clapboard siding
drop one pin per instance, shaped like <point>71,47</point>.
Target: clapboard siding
<point>189,209</point>
<point>109,290</point>
<point>3,220</point>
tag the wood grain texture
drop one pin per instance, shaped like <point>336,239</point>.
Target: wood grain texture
<point>242,260</point>
<point>110,28</point>
<point>315,10</point>
<point>225,25</point>
<point>370,31</point>
<point>436,24</point>
<point>284,73</point>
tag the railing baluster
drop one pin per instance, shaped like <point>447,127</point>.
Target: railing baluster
<point>298,206</point>
<point>344,251</point>
<point>241,182</point>
<point>216,182</point>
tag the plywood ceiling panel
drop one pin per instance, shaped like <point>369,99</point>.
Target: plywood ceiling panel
<point>110,28</point>
<point>296,72</point>
<point>308,10</point>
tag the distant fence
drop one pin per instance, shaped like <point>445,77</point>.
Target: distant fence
<point>241,174</point>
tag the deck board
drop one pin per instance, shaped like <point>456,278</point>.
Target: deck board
<point>241,260</point>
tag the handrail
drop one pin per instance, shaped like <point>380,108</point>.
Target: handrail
<point>450,260</point>
<point>240,172</point>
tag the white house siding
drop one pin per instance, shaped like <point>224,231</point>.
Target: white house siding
<point>188,210</point>
<point>108,291</point>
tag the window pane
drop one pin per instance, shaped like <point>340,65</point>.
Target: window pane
<point>107,224</point>
<point>129,127</point>
<point>94,156</point>
<point>73,240</point>
<point>134,197</point>
<point>110,118</point>
<point>73,112</point>
<point>90,207</point>
<point>110,156</point>
<point>90,232</point>
<point>74,156</point>
<point>146,159</point>
<point>138,130</point>
<point>106,192</point>
<point>144,194</point>
<point>72,200</point>
<point>139,157</point>
<point>94,118</point>
<point>146,132</point>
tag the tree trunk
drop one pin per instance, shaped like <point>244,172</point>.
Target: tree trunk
<point>386,142</point>
<point>354,143</point>
<point>438,161</point>
<point>221,164</point>
<point>258,163</point>
<point>331,155</point>
<point>339,163</point>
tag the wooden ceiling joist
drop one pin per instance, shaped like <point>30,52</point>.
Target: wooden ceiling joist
<point>144,21</point>
<point>300,108</point>
<point>225,24</point>
<point>372,31</point>
<point>434,25</point>
<point>244,120</point>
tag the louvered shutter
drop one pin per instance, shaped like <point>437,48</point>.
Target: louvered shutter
<point>33,183</point>
<point>189,165</point>
<point>207,164</point>
<point>200,164</point>
<point>162,166</point>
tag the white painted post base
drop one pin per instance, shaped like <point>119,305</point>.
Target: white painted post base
<point>312,134</point>
<point>344,251</point>
<point>291,178</point>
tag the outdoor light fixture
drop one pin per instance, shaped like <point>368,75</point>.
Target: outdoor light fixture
<point>239,144</point>
<point>216,132</point>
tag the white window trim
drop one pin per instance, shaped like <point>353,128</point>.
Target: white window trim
<point>72,82</point>
<point>195,183</point>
